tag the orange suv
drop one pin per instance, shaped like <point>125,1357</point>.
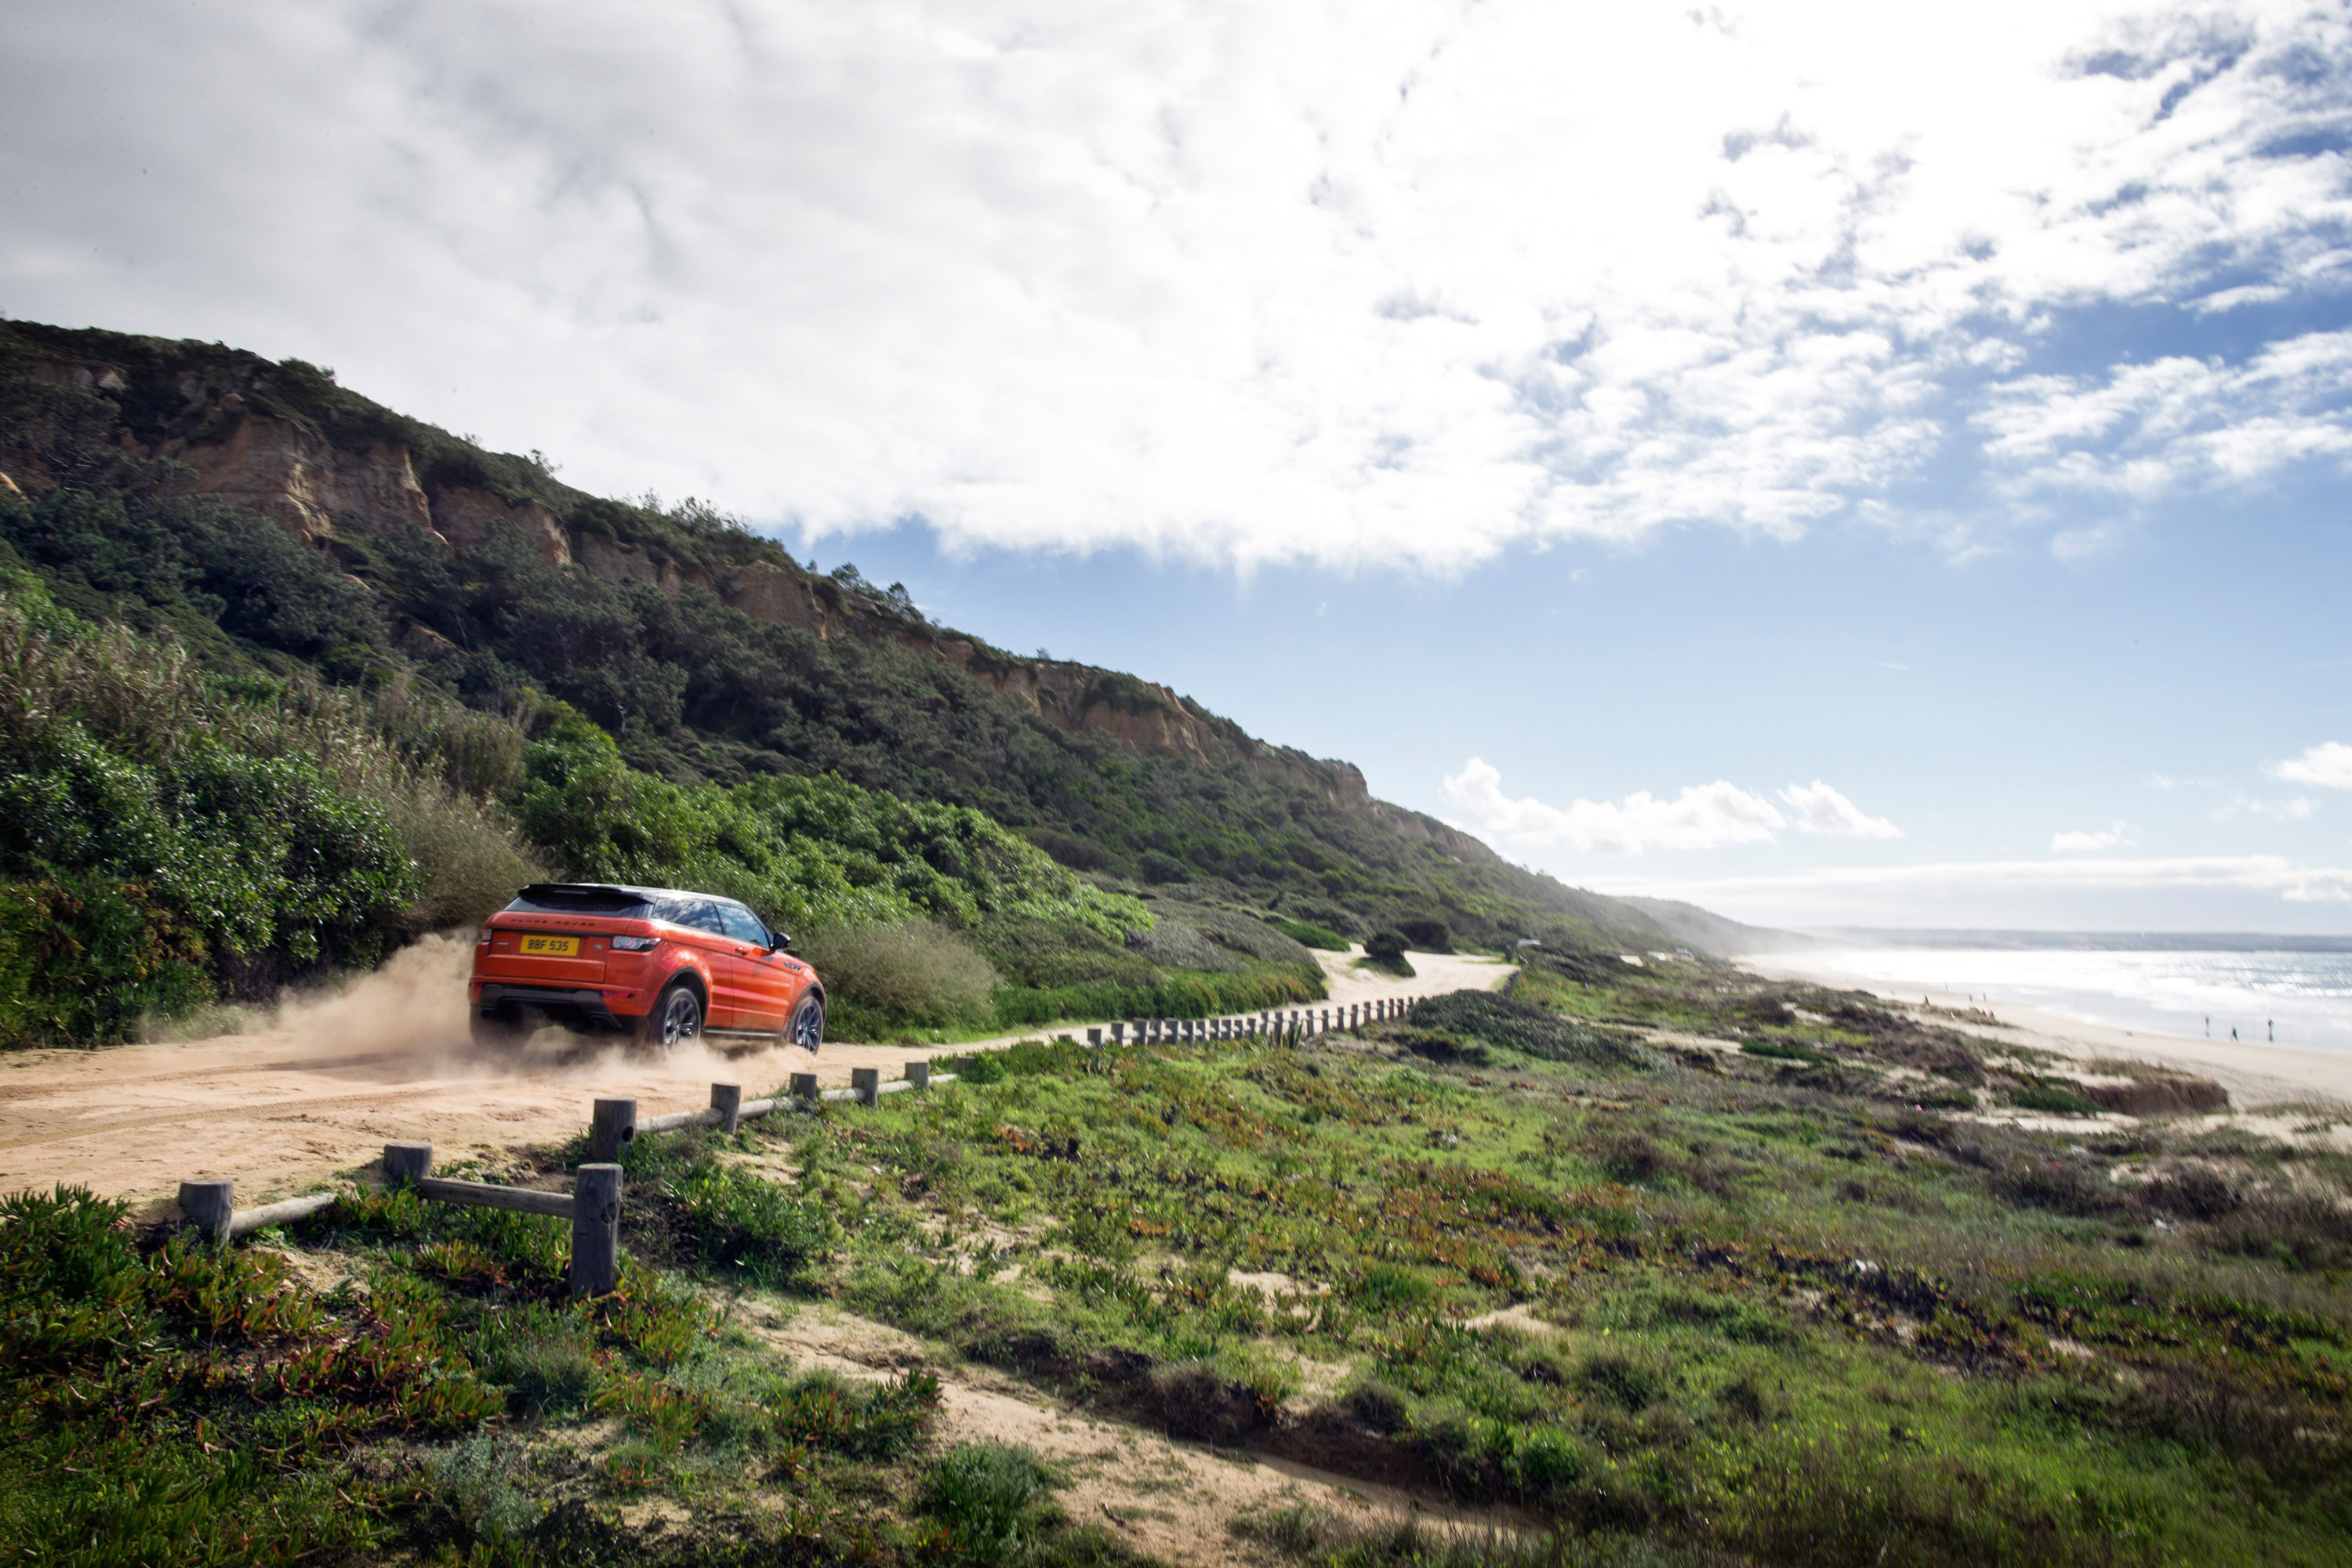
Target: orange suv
<point>654,963</point>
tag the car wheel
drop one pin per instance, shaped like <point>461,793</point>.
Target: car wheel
<point>502,1034</point>
<point>677,1016</point>
<point>806,1027</point>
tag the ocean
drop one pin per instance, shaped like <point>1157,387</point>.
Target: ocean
<point>2290,991</point>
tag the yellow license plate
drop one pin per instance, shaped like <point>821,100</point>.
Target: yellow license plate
<point>551,947</point>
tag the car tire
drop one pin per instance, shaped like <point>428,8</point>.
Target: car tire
<point>500,1034</point>
<point>805,1027</point>
<point>675,1017</point>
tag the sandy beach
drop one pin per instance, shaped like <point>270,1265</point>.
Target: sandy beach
<point>2256,1075</point>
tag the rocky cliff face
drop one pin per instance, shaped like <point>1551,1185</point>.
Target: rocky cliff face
<point>229,437</point>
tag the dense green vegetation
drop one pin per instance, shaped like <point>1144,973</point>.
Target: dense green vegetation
<point>692,690</point>
<point>172,834</point>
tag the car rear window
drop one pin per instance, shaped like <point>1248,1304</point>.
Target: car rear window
<point>615,903</point>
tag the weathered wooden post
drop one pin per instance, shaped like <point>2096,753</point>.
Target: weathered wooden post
<point>596,1230</point>
<point>804,1087</point>
<point>406,1163</point>
<point>209,1205</point>
<point>866,1083</point>
<point>727,1099</point>
<point>1094,1039</point>
<point>1119,1034</point>
<point>611,1127</point>
<point>919,1073</point>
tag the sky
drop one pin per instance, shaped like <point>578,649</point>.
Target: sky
<point>1839,463</point>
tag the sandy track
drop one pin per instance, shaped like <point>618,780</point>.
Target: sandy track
<point>337,1077</point>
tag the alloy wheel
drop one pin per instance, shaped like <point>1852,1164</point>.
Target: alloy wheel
<point>681,1017</point>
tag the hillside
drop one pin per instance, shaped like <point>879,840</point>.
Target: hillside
<point>137,469</point>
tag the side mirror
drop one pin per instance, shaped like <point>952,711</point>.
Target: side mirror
<point>778,942</point>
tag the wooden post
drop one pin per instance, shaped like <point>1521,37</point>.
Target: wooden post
<point>209,1205</point>
<point>919,1073</point>
<point>596,1230</point>
<point>867,1084</point>
<point>727,1099</point>
<point>1094,1039</point>
<point>1119,1034</point>
<point>804,1087</point>
<point>407,1163</point>
<point>611,1127</point>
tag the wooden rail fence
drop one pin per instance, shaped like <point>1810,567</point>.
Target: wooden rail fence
<point>208,1205</point>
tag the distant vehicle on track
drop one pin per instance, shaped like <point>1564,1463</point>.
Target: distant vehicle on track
<point>656,964</point>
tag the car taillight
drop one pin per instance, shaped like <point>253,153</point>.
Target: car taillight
<point>484,939</point>
<point>635,943</point>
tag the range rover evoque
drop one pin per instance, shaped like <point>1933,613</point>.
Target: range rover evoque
<point>656,964</point>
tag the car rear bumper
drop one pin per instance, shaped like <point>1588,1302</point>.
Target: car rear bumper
<point>576,1008</point>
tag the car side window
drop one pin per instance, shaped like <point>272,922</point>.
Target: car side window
<point>699,913</point>
<point>743,925</point>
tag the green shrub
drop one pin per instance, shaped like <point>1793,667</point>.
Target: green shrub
<point>1500,1021</point>
<point>988,1498</point>
<point>727,1215</point>
<point>913,970</point>
<point>1041,954</point>
<point>1386,945</point>
<point>85,958</point>
<point>2051,1096</point>
<point>1173,944</point>
<point>864,1421</point>
<point>1427,936</point>
<point>804,852</point>
<point>1310,935</point>
<point>466,849</point>
<point>1179,995</point>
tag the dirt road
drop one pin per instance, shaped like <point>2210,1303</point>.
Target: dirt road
<point>336,1078</point>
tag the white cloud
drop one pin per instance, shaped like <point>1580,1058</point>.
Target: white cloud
<point>2241,804</point>
<point>1247,282</point>
<point>2115,836</point>
<point>2146,430</point>
<point>1703,817</point>
<point>1820,809</point>
<point>2327,765</point>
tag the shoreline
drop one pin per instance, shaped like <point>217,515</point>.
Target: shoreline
<point>2255,1074</point>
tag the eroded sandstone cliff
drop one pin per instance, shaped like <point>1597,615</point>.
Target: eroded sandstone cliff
<point>236,428</point>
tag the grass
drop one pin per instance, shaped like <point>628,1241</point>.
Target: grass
<point>1755,1303</point>
<point>444,1402</point>
<point>1678,1306</point>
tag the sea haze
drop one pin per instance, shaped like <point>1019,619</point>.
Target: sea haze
<point>2296,990</point>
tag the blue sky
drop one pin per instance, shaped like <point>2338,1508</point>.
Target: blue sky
<point>1842,464</point>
